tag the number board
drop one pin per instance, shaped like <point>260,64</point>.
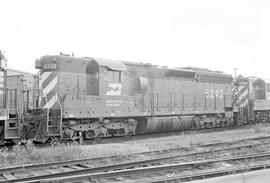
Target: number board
<point>211,93</point>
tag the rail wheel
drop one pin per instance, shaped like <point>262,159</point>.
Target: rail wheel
<point>90,134</point>
<point>263,118</point>
<point>54,140</point>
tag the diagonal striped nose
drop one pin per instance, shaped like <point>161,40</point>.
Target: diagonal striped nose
<point>47,84</point>
<point>242,95</point>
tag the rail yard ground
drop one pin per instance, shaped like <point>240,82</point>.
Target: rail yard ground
<point>190,155</point>
<point>197,138</point>
<point>30,154</point>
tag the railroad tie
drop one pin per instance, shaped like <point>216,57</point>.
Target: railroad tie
<point>9,176</point>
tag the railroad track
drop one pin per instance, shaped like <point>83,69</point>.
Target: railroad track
<point>173,171</point>
<point>85,166</point>
<point>201,174</point>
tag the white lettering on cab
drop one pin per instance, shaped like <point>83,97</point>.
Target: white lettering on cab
<point>114,89</point>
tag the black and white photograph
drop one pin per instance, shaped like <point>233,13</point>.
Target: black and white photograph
<point>134,91</point>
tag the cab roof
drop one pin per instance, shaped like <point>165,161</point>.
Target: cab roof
<point>112,64</point>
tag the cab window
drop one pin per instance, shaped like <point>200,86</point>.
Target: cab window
<point>268,87</point>
<point>49,66</point>
<point>113,76</point>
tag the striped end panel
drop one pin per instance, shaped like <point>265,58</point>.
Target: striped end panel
<point>47,84</point>
<point>242,96</point>
<point>242,101</point>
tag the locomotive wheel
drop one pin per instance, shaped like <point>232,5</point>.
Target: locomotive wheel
<point>16,141</point>
<point>90,134</point>
<point>44,139</point>
<point>68,132</point>
<point>122,131</point>
<point>263,118</point>
<point>54,140</point>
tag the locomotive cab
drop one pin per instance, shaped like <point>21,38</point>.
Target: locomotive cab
<point>258,89</point>
<point>105,77</point>
<point>259,98</point>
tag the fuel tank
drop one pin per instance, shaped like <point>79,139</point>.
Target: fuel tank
<point>165,124</point>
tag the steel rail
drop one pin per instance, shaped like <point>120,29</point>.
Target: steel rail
<point>86,160</point>
<point>130,168</point>
<point>205,174</point>
<point>78,161</point>
<point>145,170</point>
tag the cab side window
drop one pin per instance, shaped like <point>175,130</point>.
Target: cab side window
<point>49,66</point>
<point>268,87</point>
<point>113,76</point>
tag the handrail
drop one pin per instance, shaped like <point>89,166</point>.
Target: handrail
<point>46,99</point>
<point>60,111</point>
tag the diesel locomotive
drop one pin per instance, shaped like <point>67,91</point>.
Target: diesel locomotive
<point>73,98</point>
<point>3,87</point>
<point>21,94</point>
<point>252,96</point>
<point>92,97</point>
<point>16,97</point>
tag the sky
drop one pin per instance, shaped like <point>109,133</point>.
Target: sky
<point>218,35</point>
